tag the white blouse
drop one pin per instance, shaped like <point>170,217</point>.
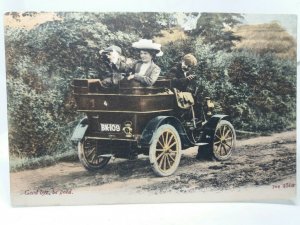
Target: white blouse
<point>144,68</point>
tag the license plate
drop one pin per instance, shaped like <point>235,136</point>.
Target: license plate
<point>110,127</point>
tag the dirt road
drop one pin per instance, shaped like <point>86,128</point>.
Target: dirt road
<point>256,161</point>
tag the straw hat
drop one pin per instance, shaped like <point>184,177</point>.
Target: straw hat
<point>148,45</point>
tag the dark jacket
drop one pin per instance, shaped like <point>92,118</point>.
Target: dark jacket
<point>109,70</point>
<point>123,66</point>
<point>179,77</point>
<point>150,76</point>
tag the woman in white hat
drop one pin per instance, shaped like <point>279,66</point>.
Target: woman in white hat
<point>145,70</point>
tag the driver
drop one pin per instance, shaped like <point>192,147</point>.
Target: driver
<point>182,73</point>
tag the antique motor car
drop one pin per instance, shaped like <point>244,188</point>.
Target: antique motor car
<point>157,121</point>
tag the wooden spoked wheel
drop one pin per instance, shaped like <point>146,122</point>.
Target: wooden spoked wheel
<point>224,140</point>
<point>89,155</point>
<point>165,150</point>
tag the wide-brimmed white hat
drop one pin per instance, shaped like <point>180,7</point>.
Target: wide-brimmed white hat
<point>148,44</point>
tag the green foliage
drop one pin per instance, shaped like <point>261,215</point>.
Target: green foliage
<point>215,29</point>
<point>37,122</point>
<point>269,85</point>
<point>41,63</point>
<point>258,92</point>
<point>173,53</point>
<point>145,25</point>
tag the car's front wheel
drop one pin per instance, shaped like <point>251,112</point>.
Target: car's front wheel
<point>224,141</point>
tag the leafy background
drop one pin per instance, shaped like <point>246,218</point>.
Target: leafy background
<point>248,70</point>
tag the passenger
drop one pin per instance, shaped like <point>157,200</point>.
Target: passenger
<point>145,70</point>
<point>181,74</point>
<point>115,66</point>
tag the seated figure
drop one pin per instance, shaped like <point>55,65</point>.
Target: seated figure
<point>145,71</point>
<point>114,67</point>
<point>181,74</point>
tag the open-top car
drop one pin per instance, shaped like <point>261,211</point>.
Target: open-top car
<point>158,121</point>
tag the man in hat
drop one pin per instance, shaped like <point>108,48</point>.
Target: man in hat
<point>115,66</point>
<point>181,74</point>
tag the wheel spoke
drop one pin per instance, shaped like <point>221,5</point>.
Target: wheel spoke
<point>227,145</point>
<point>218,137</point>
<point>90,153</point>
<point>167,136</point>
<point>165,150</point>
<point>225,150</point>
<point>168,161</point>
<point>159,156</point>
<point>219,149</point>
<point>171,157</point>
<point>224,129</point>
<point>174,151</point>
<point>226,135</point>
<point>217,142</point>
<point>161,145</point>
<point>161,161</point>
<point>217,146</point>
<point>230,138</point>
<point>174,143</point>
<point>171,138</point>
<point>163,139</point>
<point>93,158</point>
<point>165,162</point>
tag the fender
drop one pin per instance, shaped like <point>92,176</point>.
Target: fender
<point>210,127</point>
<point>155,123</point>
<point>80,130</point>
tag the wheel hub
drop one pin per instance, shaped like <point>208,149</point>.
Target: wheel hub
<point>222,140</point>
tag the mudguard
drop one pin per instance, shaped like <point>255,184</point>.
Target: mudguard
<point>210,127</point>
<point>155,123</point>
<point>80,130</point>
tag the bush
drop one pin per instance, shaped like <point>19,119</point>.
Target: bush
<point>257,91</point>
<point>41,64</point>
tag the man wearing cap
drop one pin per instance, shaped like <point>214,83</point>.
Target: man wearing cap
<point>116,66</point>
<point>181,74</point>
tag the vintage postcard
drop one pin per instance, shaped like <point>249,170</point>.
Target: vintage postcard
<point>108,108</point>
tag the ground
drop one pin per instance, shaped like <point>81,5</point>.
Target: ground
<point>262,161</point>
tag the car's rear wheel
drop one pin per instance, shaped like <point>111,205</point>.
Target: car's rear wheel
<point>165,150</point>
<point>89,156</point>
